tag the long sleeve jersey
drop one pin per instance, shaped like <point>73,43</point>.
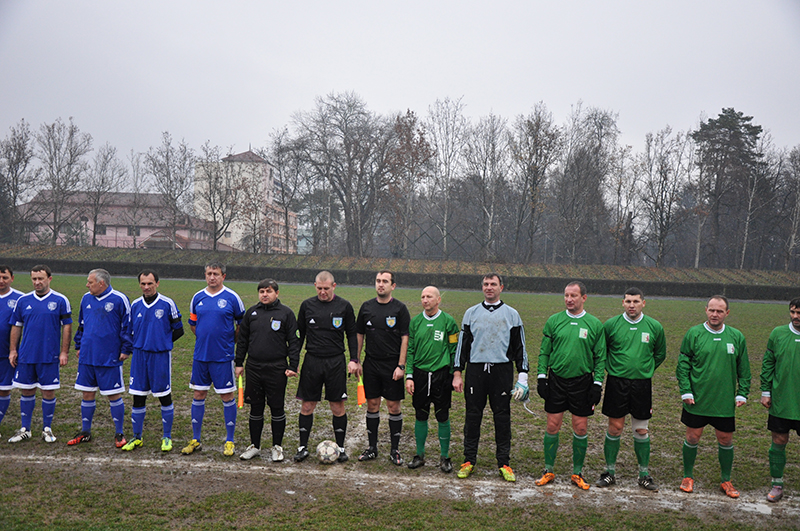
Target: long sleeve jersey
<point>573,345</point>
<point>491,334</point>
<point>268,333</point>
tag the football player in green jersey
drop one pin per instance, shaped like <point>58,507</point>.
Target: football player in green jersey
<point>780,393</point>
<point>714,377</point>
<point>636,346</point>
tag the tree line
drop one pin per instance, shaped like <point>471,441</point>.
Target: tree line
<point>444,186</point>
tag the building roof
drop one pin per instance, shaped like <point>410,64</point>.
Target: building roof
<point>247,156</point>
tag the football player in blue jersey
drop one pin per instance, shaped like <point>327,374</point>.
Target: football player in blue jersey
<point>8,300</point>
<point>214,316</point>
<point>46,317</point>
<point>103,342</point>
<point>155,325</point>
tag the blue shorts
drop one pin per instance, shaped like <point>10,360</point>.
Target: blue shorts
<point>107,380</point>
<point>151,372</point>
<point>6,374</point>
<point>220,373</point>
<point>45,376</point>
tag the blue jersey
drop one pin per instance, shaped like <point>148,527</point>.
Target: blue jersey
<point>41,320</point>
<point>7,304</point>
<point>215,318</point>
<point>104,330</point>
<point>152,325</point>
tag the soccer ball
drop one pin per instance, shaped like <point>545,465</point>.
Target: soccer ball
<point>327,452</point>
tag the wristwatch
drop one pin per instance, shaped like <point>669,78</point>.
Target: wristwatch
<point>401,367</point>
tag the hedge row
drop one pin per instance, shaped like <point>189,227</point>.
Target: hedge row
<point>420,280</point>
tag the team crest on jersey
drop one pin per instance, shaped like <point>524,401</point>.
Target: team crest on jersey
<point>438,335</point>
<point>583,333</point>
<point>222,303</point>
<point>52,306</point>
<point>109,306</point>
<point>12,303</point>
<point>159,314</point>
<point>391,321</point>
<point>731,350</point>
<point>276,325</point>
<point>645,337</point>
<point>337,322</point>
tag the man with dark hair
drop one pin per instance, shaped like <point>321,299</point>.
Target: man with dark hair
<point>383,323</point>
<point>103,343</point>
<point>323,321</point>
<point>268,340</point>
<point>45,316</point>
<point>432,342</point>
<point>214,316</point>
<point>8,300</point>
<point>714,377</point>
<point>635,347</point>
<point>492,340</point>
<point>155,325</point>
<point>780,393</point>
<point>572,363</point>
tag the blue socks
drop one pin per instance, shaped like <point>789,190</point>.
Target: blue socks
<point>198,412</point>
<point>229,409</point>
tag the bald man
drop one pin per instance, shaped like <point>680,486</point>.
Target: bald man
<point>433,337</point>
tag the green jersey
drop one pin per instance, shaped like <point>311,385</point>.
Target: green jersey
<point>432,342</point>
<point>635,349</point>
<point>780,372</point>
<point>573,346</point>
<point>713,368</point>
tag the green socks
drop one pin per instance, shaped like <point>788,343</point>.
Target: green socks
<point>777,462</point>
<point>689,457</point>
<point>550,451</point>
<point>641,447</point>
<point>444,438</point>
<point>725,462</point>
<point>421,434</point>
<point>610,451</point>
<point>579,445</point>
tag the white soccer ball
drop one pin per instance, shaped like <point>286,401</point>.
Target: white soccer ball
<point>327,452</point>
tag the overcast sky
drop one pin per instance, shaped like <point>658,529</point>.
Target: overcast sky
<point>231,72</point>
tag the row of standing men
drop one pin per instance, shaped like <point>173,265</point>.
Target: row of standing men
<point>427,356</point>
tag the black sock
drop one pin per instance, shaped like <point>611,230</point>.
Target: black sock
<point>256,427</point>
<point>373,421</point>
<point>306,422</point>
<point>340,429</point>
<point>278,425</point>
<point>395,429</point>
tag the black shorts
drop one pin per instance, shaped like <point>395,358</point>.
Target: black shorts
<point>316,372</point>
<point>378,380</point>
<point>723,424</point>
<point>569,394</point>
<point>624,396</point>
<point>781,425</point>
<point>432,388</point>
<point>266,382</point>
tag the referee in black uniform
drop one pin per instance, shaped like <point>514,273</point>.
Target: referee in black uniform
<point>383,322</point>
<point>267,338</point>
<point>323,322</point>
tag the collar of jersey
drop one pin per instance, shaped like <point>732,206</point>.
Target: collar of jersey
<point>637,321</point>
<point>438,313</point>
<point>793,329</point>
<point>714,331</point>
<point>492,307</point>
<point>583,312</point>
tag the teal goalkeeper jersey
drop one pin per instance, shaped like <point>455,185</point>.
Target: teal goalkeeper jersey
<point>634,349</point>
<point>431,342</point>
<point>714,368</point>
<point>573,346</point>
<point>780,372</point>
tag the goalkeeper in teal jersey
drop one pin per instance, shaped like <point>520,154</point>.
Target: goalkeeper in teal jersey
<point>432,341</point>
<point>714,377</point>
<point>780,393</point>
<point>636,346</point>
<point>570,377</point>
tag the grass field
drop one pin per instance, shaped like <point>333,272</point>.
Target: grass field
<point>43,487</point>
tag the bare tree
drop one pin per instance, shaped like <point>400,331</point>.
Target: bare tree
<point>254,216</point>
<point>172,169</point>
<point>448,133</point>
<point>105,177</point>
<point>621,186</point>
<point>665,166</point>
<point>791,186</point>
<point>757,188</point>
<point>348,146</point>
<point>134,213</point>
<point>62,149</point>
<point>17,180</point>
<point>218,190</point>
<point>287,157</point>
<point>409,163</point>
<point>535,143</point>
